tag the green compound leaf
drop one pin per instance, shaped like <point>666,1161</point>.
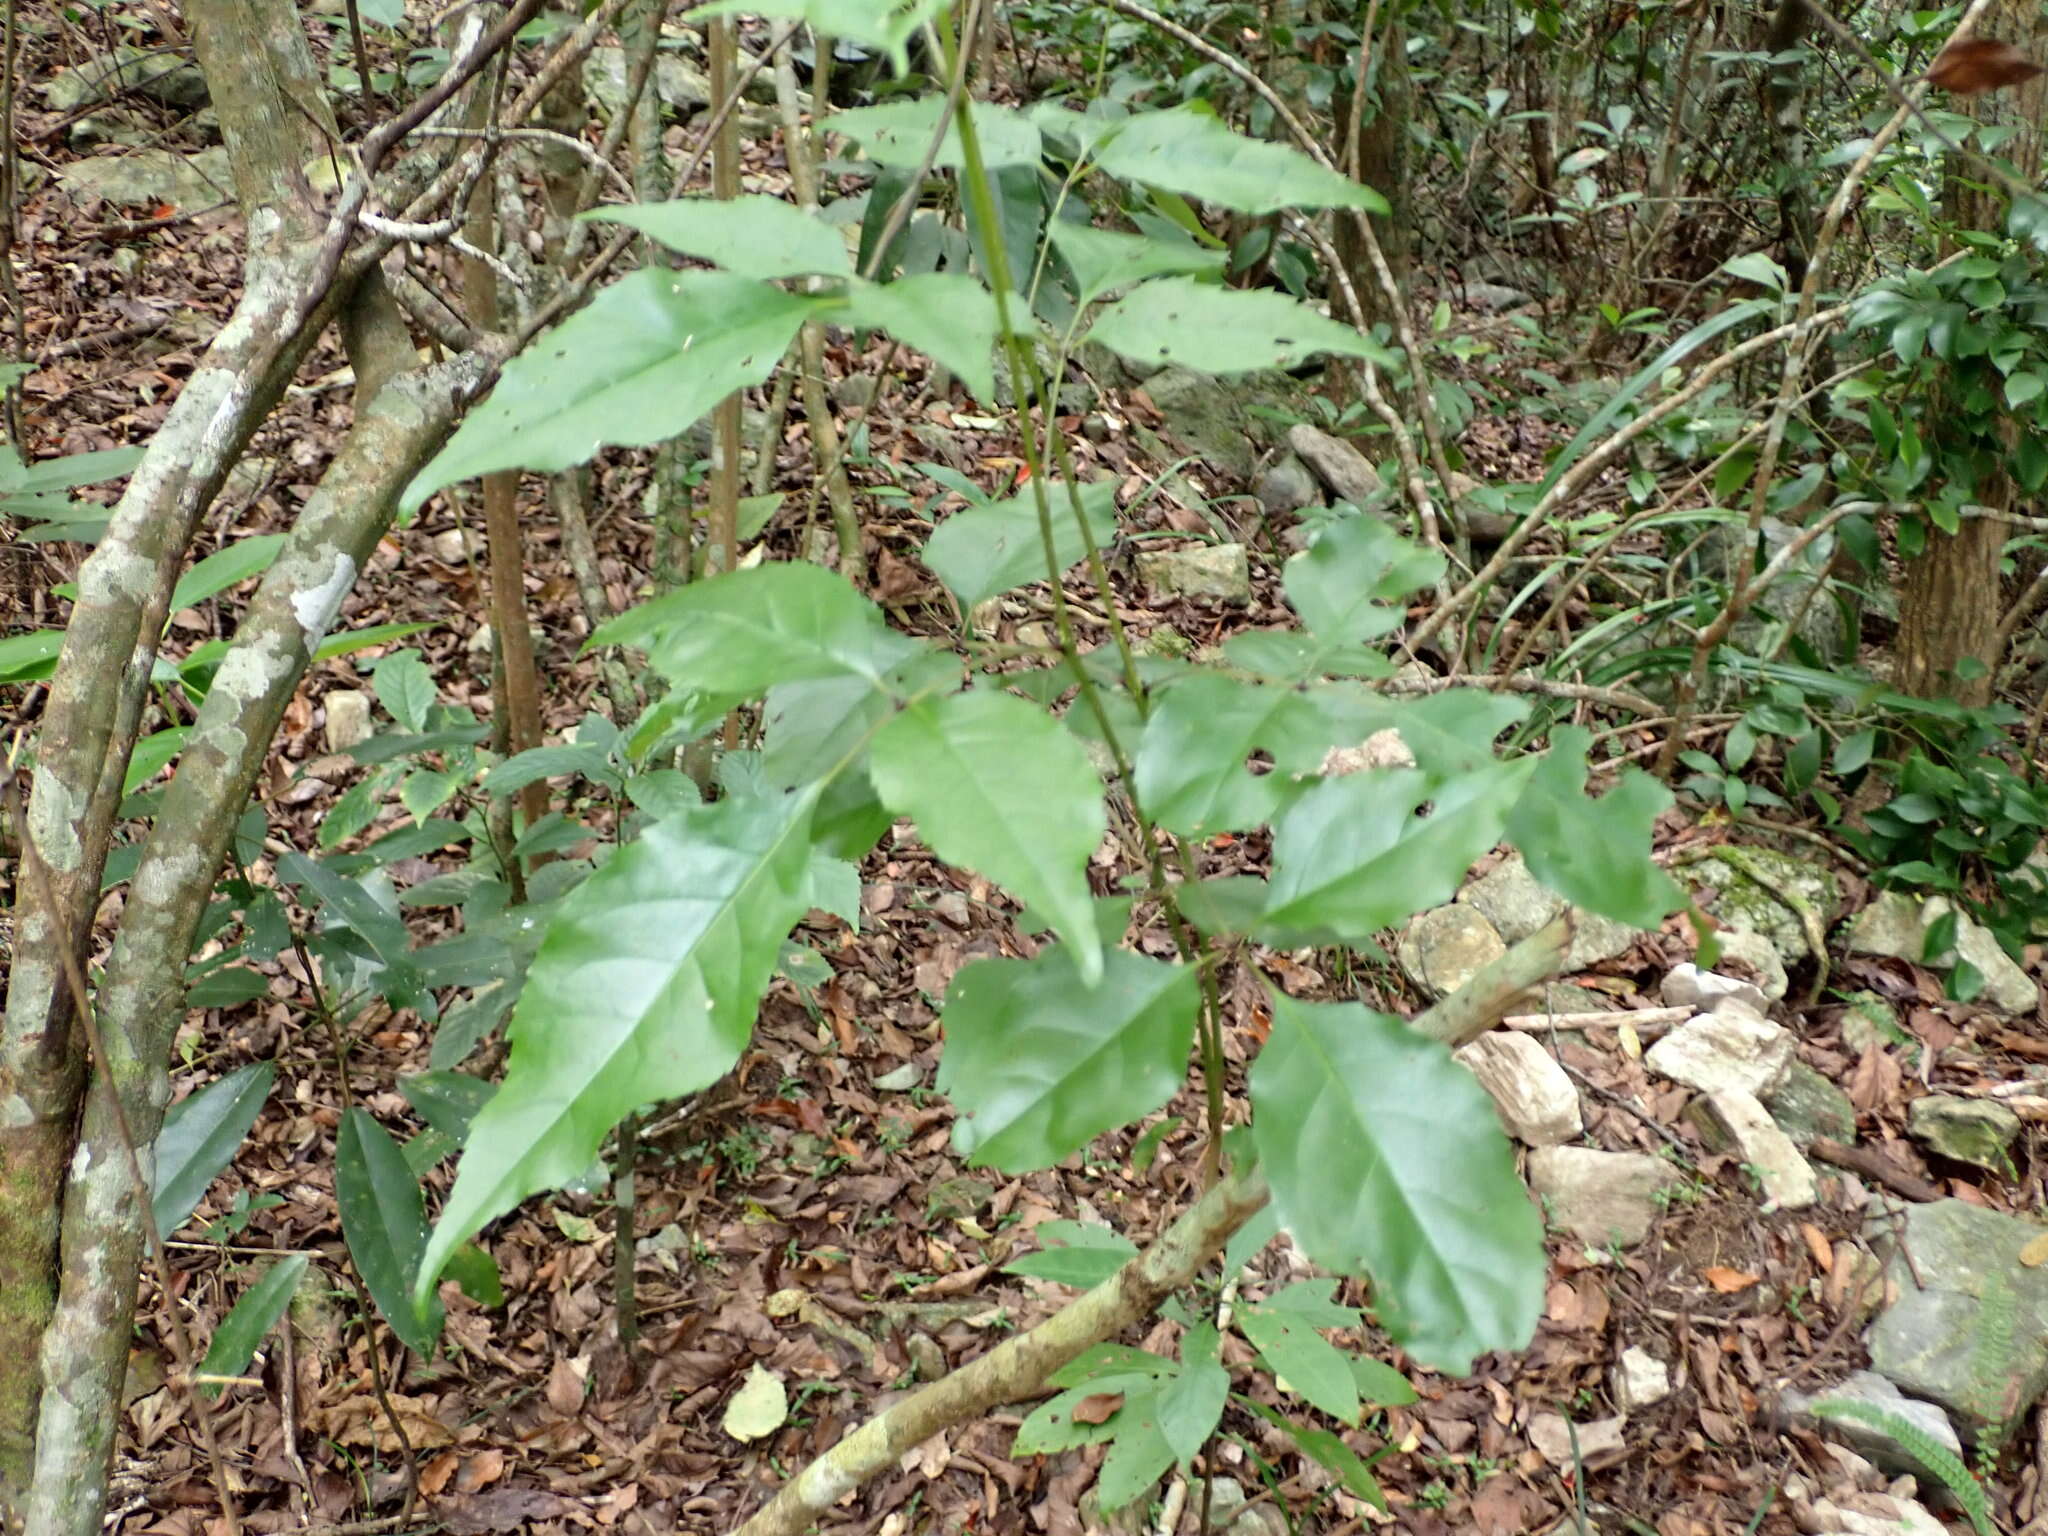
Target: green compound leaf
<point>1386,1159</point>
<point>1224,330</point>
<point>644,988</point>
<point>1040,1063</point>
<point>1188,150</point>
<point>996,785</point>
<point>636,366</point>
<point>757,236</point>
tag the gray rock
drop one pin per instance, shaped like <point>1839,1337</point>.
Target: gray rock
<point>152,176</point>
<point>1818,617</point>
<point>1687,986</point>
<point>1766,1151</point>
<point>1867,1389</point>
<point>855,391</point>
<point>1537,1103</point>
<point>1443,948</point>
<point>1897,924</point>
<point>1971,1331</point>
<point>1287,486</point>
<point>1743,950</point>
<point>1599,1197</point>
<point>1981,1132</point>
<point>97,128</point>
<point>1870,1020</point>
<point>1344,471</point>
<point>1564,1445</point>
<point>682,88</point>
<point>1741,901</point>
<point>161,77</point>
<point>1213,416</point>
<point>1807,1107</point>
<point>1641,1380</point>
<point>1218,572</point>
<point>348,719</point>
<point>1856,1512</point>
<point>1517,904</point>
<point>1728,1049</point>
<point>453,546</point>
<point>1491,298</point>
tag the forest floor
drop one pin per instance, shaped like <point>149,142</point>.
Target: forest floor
<point>808,1214</point>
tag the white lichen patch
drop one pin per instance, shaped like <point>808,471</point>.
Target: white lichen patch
<point>315,607</point>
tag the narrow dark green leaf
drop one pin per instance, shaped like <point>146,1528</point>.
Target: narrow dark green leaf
<point>385,1225</point>
<point>199,1137</point>
<point>242,1331</point>
<point>1385,1158</point>
<point>1284,1331</point>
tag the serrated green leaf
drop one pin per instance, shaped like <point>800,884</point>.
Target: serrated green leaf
<point>242,1331</point>
<point>1079,1254</point>
<point>426,790</point>
<point>404,687</point>
<point>948,316</point>
<point>984,551</point>
<point>637,365</point>
<point>1349,584</point>
<point>1352,856</point>
<point>899,133</point>
<point>741,634</point>
<point>1385,1158</point>
<point>378,1197</point>
<point>997,786</point>
<point>1594,853</point>
<point>200,1135</point>
<point>754,235</point>
<point>1190,767</point>
<point>1104,260</point>
<point>1188,150</point>
<point>1040,1063</point>
<point>1224,330</point>
<point>644,988</point>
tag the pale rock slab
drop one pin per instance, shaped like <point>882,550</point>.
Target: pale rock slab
<point>1537,1103</point>
<point>1731,1048</point>
<point>1787,1178</point>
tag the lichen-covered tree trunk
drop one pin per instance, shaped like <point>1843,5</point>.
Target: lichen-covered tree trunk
<point>1949,597</point>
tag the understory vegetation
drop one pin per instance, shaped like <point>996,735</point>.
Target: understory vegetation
<point>737,735</point>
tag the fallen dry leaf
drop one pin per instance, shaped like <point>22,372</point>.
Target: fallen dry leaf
<point>1728,1281</point>
<point>1978,64</point>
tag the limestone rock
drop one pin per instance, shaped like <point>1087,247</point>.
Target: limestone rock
<point>1687,986</point>
<point>1741,900</point>
<point>1443,948</point>
<point>1732,1048</point>
<point>1742,951</point>
<point>1347,473</point>
<point>682,88</point>
<point>1537,1103</point>
<point>1517,904</point>
<point>1599,1197</point>
<point>1896,924</point>
<point>348,719</point>
<point>1218,572</point>
<point>1851,1512</point>
<point>1641,1380</point>
<point>1869,1020</point>
<point>1872,1441</point>
<point>1555,1440</point>
<point>1807,1107</point>
<point>152,176</point>
<point>1970,1333</point>
<point>1976,1131</point>
<point>1786,1177</point>
<point>161,77</point>
<point>1287,486</point>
